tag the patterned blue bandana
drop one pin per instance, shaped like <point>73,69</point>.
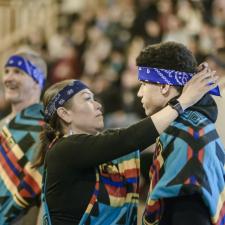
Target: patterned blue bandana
<point>63,96</point>
<point>27,67</point>
<point>171,77</point>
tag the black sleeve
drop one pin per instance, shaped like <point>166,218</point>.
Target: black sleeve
<point>84,150</point>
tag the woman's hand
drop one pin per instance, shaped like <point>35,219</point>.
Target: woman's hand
<point>198,86</point>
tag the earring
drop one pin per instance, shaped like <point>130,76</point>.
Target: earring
<point>71,132</point>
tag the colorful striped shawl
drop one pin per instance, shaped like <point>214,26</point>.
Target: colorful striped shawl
<point>189,158</point>
<point>20,185</point>
<point>115,197</point>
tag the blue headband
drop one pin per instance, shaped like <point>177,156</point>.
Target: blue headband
<point>63,96</point>
<point>27,67</point>
<point>171,77</point>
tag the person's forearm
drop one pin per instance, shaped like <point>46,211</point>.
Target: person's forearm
<point>108,146</point>
<point>163,118</point>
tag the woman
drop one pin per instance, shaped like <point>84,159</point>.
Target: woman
<point>85,180</point>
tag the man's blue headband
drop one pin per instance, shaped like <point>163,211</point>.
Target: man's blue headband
<point>63,96</point>
<point>171,77</point>
<point>27,67</point>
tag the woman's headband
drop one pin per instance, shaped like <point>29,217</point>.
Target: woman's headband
<point>171,77</point>
<point>61,97</point>
<point>29,68</point>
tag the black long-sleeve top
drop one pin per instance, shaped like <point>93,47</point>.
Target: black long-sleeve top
<point>71,166</point>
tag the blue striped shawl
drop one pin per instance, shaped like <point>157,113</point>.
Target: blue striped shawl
<point>189,158</point>
<point>20,185</point>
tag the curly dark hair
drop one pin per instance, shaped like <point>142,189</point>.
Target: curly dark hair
<point>168,55</point>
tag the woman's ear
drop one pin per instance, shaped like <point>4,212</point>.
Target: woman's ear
<point>164,88</point>
<point>64,114</point>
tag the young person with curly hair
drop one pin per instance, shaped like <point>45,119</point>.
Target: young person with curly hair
<point>187,174</point>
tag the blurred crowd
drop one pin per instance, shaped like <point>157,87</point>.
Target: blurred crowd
<point>99,45</point>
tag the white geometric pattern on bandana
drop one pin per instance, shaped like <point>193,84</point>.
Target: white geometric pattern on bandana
<point>63,95</point>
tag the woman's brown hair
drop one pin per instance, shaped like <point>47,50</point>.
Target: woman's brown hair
<point>52,129</point>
